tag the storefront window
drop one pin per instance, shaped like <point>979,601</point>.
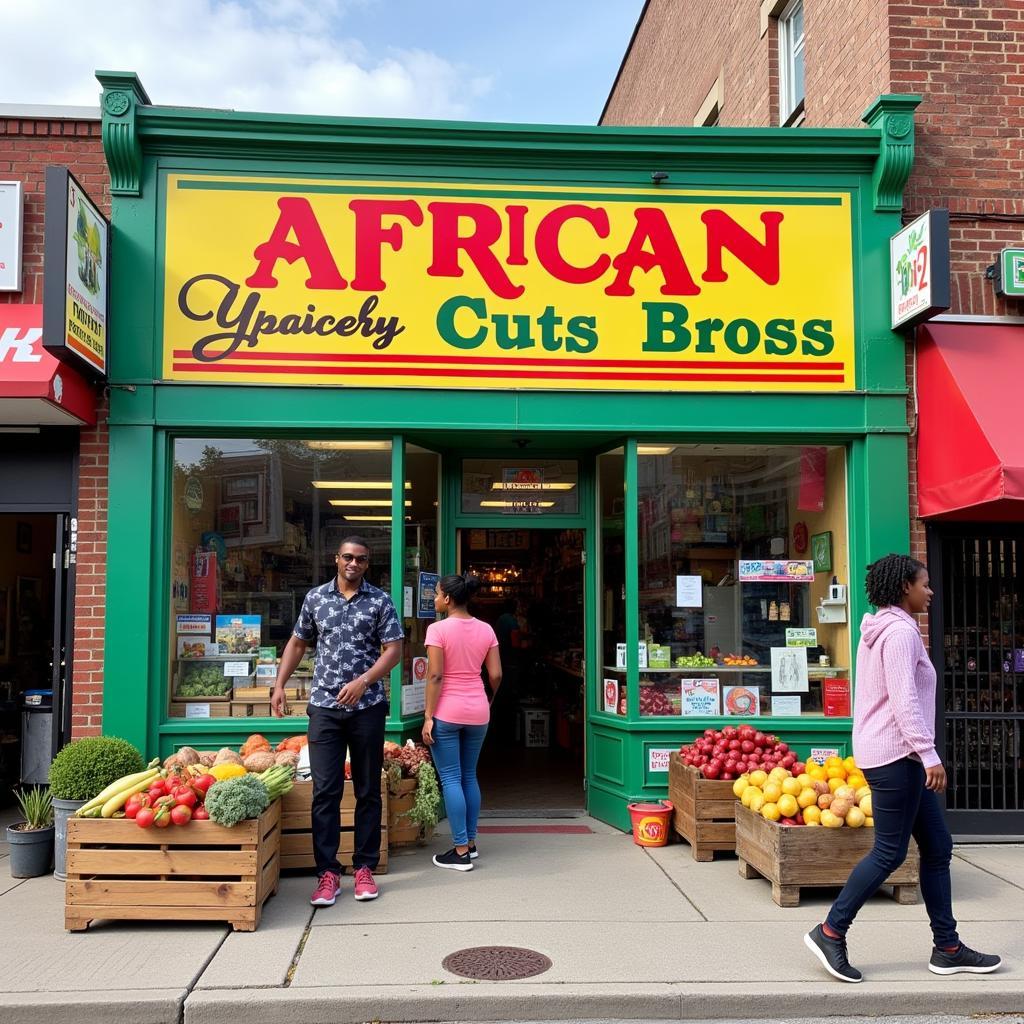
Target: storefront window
<point>255,524</point>
<point>520,487</point>
<point>422,471</point>
<point>738,547</point>
<point>612,510</point>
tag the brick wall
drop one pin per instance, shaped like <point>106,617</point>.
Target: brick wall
<point>27,146</point>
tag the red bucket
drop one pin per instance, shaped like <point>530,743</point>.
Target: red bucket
<point>650,822</point>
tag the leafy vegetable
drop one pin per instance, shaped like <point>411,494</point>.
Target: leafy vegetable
<point>202,679</point>
<point>427,802</point>
<point>233,800</point>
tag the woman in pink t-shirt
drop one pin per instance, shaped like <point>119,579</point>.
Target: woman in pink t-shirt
<point>457,710</point>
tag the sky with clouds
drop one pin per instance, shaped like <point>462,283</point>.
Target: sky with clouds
<point>548,61</point>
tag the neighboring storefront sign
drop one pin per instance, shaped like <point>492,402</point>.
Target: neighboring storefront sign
<point>12,206</point>
<point>919,269</point>
<point>420,284</point>
<point>76,266</point>
<point>426,589</point>
<point>1009,273</point>
<point>776,571</point>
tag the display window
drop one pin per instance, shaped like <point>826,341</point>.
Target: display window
<point>611,498</point>
<point>517,487</point>
<point>256,523</point>
<point>742,567</point>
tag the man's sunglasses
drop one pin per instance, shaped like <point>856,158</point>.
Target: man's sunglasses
<point>358,559</point>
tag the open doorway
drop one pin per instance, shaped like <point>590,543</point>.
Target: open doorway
<point>533,596</point>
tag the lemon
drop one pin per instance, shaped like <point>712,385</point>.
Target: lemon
<point>863,792</point>
<point>791,786</point>
<point>849,764</point>
<point>812,815</point>
<point>788,807</point>
<point>758,778</point>
<point>771,812</point>
<point>747,795</point>
<point>740,784</point>
<point>804,779</point>
<point>865,804</point>
<point>869,822</point>
<point>772,792</point>
<point>830,820</point>
<point>833,761</point>
<point>836,772</point>
<point>834,784</point>
<point>756,801</point>
<point>856,780</point>
<point>806,797</point>
<point>855,817</point>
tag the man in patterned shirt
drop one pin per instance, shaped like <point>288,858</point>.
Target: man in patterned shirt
<point>358,638</point>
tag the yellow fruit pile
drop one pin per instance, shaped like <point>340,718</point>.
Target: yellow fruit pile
<point>833,795</point>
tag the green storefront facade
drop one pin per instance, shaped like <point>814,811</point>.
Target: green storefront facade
<point>184,182</point>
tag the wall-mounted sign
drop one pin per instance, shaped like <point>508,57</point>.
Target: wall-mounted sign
<point>454,285</point>
<point>919,269</point>
<point>426,588</point>
<point>1009,272</point>
<point>12,216</point>
<point>76,264</point>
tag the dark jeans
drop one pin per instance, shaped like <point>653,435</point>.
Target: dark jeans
<point>332,732</point>
<point>902,808</point>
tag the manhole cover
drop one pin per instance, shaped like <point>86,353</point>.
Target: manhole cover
<point>496,963</point>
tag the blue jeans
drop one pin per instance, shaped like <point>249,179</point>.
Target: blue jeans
<point>456,751</point>
<point>902,808</point>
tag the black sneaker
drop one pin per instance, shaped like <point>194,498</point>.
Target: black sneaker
<point>454,860</point>
<point>473,851</point>
<point>832,954</point>
<point>964,961</point>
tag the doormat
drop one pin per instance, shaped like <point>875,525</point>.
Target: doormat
<point>561,830</point>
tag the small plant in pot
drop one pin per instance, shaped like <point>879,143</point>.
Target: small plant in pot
<point>31,840</point>
<point>80,770</point>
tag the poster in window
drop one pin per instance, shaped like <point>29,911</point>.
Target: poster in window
<point>789,670</point>
<point>742,701</point>
<point>821,551</point>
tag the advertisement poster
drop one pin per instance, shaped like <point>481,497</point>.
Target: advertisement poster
<point>835,698</point>
<point>203,592</point>
<point>789,670</point>
<point>771,570</point>
<point>700,697</point>
<point>426,586</point>
<point>742,701</point>
<point>197,647</point>
<point>414,696</point>
<point>800,637</point>
<point>193,625</point>
<point>611,696</point>
<point>689,591</point>
<point>239,634</point>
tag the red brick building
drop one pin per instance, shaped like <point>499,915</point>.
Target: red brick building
<point>822,63</point>
<point>53,454</point>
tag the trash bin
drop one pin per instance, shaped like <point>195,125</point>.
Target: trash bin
<point>36,737</point>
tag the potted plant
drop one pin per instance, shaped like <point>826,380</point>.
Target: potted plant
<point>31,840</point>
<point>80,770</point>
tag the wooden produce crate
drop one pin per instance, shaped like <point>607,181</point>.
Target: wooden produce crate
<point>199,872</point>
<point>401,831</point>
<point>297,827</point>
<point>251,693</point>
<point>703,810</point>
<point>794,857</point>
<point>249,709</point>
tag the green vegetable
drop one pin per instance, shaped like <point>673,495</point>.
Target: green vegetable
<point>202,680</point>
<point>278,780</point>
<point>85,767</point>
<point>37,807</point>
<point>233,800</point>
<point>427,802</point>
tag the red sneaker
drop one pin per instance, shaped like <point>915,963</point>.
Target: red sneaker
<point>366,887</point>
<point>326,891</point>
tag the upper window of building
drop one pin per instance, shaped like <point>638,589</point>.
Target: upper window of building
<point>791,63</point>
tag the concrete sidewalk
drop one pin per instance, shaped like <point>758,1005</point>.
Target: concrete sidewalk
<point>631,933</point>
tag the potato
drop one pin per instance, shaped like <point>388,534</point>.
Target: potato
<point>227,756</point>
<point>288,757</point>
<point>188,756</point>
<point>207,758</point>
<point>259,761</point>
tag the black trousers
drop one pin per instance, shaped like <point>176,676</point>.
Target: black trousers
<point>332,732</point>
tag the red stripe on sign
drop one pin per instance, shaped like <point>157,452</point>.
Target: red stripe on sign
<point>562,830</point>
<point>644,364</point>
<point>411,371</point>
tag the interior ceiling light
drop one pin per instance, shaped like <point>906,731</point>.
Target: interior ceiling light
<point>356,485</point>
<point>655,449</point>
<point>498,486</point>
<point>512,504</point>
<point>350,446</point>
<point>363,502</point>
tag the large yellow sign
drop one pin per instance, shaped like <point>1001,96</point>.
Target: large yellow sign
<point>414,284</point>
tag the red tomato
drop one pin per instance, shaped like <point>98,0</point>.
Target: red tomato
<point>185,796</point>
<point>200,814</point>
<point>157,788</point>
<point>181,814</point>
<point>203,782</point>
<point>144,817</point>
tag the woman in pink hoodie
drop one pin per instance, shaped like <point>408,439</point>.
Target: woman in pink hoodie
<point>894,743</point>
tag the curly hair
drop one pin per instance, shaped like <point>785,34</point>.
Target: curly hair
<point>888,576</point>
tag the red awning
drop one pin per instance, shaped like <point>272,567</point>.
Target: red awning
<point>970,461</point>
<point>36,389</point>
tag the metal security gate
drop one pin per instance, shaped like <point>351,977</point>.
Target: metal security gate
<point>977,645</point>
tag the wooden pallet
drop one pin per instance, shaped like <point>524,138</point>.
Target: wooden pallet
<point>199,872</point>
<point>297,827</point>
<point>797,857</point>
<point>703,810</point>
